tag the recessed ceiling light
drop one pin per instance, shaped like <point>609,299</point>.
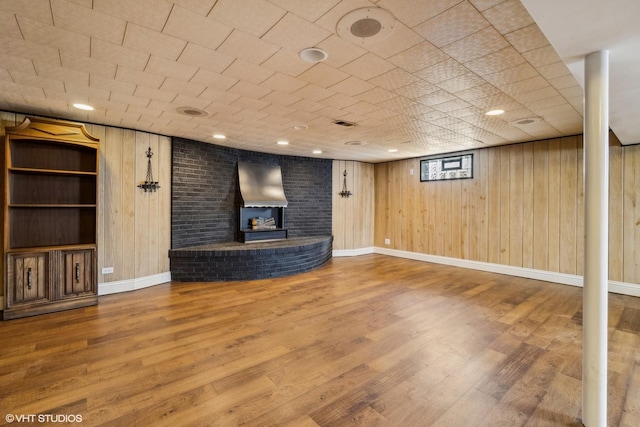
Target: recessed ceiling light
<point>392,150</point>
<point>219,136</point>
<point>192,111</point>
<point>283,142</point>
<point>301,127</point>
<point>317,151</point>
<point>83,107</point>
<point>494,112</point>
<point>313,54</point>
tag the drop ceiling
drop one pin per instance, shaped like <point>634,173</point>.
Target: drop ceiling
<point>422,90</point>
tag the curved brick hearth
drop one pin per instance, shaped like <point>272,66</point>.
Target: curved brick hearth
<point>249,261</point>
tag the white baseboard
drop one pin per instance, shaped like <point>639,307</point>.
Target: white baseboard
<point>133,284</point>
<point>352,252</point>
<point>529,273</point>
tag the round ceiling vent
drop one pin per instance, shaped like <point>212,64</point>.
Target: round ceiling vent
<point>191,111</point>
<point>525,121</point>
<point>366,25</point>
<point>313,54</point>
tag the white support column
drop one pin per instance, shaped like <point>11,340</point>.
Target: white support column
<point>596,253</point>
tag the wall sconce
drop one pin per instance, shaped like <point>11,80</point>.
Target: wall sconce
<point>149,184</point>
<point>344,192</point>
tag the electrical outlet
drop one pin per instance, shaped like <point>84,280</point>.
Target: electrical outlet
<point>107,270</point>
<point>387,241</point>
<point>411,171</point>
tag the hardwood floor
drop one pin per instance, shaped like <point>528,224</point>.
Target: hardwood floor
<point>370,340</point>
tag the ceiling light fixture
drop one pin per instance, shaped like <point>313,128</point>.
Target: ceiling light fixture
<point>192,111</point>
<point>317,151</point>
<point>301,127</point>
<point>494,112</point>
<point>84,107</point>
<point>283,142</point>
<point>313,54</point>
<point>392,150</point>
<point>366,25</point>
<point>219,136</point>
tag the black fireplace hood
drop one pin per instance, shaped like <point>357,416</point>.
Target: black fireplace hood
<point>261,185</point>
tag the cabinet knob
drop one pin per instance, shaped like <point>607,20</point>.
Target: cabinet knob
<point>77,272</point>
<point>29,280</point>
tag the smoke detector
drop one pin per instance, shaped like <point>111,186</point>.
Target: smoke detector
<point>366,25</point>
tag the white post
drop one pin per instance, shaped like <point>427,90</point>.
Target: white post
<point>596,253</point>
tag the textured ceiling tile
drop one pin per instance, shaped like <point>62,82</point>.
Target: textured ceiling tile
<point>495,62</point>
<point>124,99</point>
<point>190,26</point>
<point>295,33</point>
<point>29,79</point>
<point>172,69</point>
<point>418,57</point>
<point>452,25</point>
<point>437,97</point>
<point>243,70</point>
<point>219,98</point>
<point>141,78</point>
<point>555,70</point>
<point>565,82</point>
<point>201,7</point>
<point>249,90</point>
<point>368,66</point>
<point>37,9</point>
<point>115,54</point>
<point>363,108</point>
<point>314,92</point>
<point>151,14</point>
<point>112,85</point>
<point>339,100</point>
<point>287,62</point>
<point>280,98</point>
<point>78,89</point>
<point>253,17</point>
<point>416,90</point>
<point>460,83</point>
<point>445,70</point>
<point>35,32</point>
<point>352,86</point>
<point>87,21</point>
<point>526,85</point>
<point>307,105</point>
<point>401,39</point>
<point>324,76</point>
<point>310,11</point>
<point>149,41</point>
<point>477,45</point>
<point>542,56</point>
<point>283,83</point>
<point>201,57</point>
<point>182,87</point>
<point>508,16</point>
<point>89,65</point>
<point>527,38</point>
<point>376,95</point>
<point>413,12</point>
<point>151,93</point>
<point>9,25</point>
<point>329,20</point>
<point>394,79</point>
<point>247,47</point>
<point>63,74</point>
<point>19,48</point>
<point>340,51</point>
<point>511,75</point>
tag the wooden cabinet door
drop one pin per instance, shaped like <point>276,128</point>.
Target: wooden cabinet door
<point>28,279</point>
<point>78,273</point>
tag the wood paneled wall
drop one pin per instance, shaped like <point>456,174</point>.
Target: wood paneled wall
<point>523,208</point>
<point>353,217</point>
<point>133,226</point>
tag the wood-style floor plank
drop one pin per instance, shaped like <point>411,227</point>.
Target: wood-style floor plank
<point>370,341</point>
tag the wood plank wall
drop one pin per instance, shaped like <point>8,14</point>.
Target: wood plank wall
<point>353,217</point>
<point>133,226</point>
<point>523,208</point>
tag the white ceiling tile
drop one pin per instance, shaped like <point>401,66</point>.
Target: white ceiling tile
<point>400,40</point>
<point>445,70</point>
<point>483,5</point>
<point>330,19</point>
<point>201,7</point>
<point>182,87</point>
<point>249,90</point>
<point>552,71</point>
<point>92,66</point>
<point>50,71</point>
<point>322,75</point>
<point>124,99</point>
<point>352,86</point>
<point>376,95</point>
<point>495,62</point>
<point>140,78</point>
<point>247,47</point>
<point>163,67</point>
<point>151,14</point>
<point>477,45</point>
<point>186,25</point>
<point>15,63</point>
<point>219,98</point>
<point>307,105</point>
<point>311,11</point>
<point>339,101</point>
<point>294,33</point>
<point>454,24</point>
<point>280,99</point>
<point>527,85</point>
<point>394,79</point>
<point>283,83</point>
<point>191,101</point>
<point>313,92</point>
<point>115,54</point>
<point>519,72</point>
<point>287,62</point>
<point>543,56</point>
<point>148,41</point>
<point>368,66</point>
<point>87,21</point>
<point>416,90</point>
<point>33,31</point>
<point>111,85</point>
<point>78,89</point>
<point>508,16</point>
<point>571,92</point>
<point>213,80</point>
<point>9,25</point>
<point>29,79</point>
<point>340,52</point>
<point>460,83</point>
<point>527,38</point>
<point>38,9</point>
<point>413,12</point>
<point>154,94</point>
<point>253,17</point>
<point>243,70</point>
<point>201,57</point>
<point>418,57</point>
<point>363,108</point>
